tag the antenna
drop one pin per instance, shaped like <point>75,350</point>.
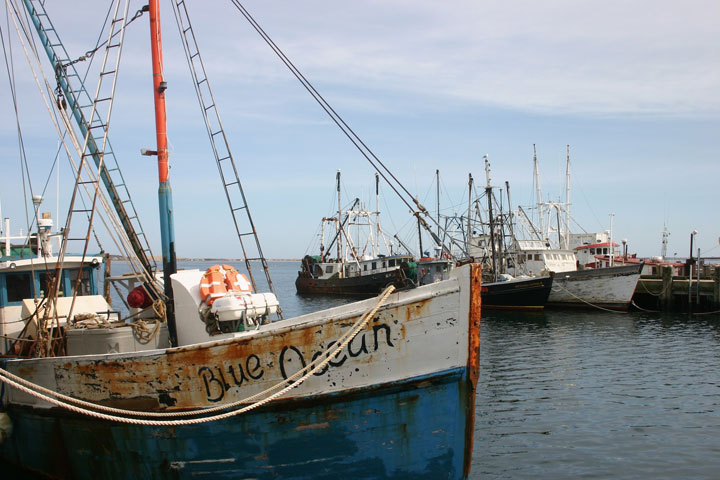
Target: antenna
<point>567,200</point>
<point>665,235</point>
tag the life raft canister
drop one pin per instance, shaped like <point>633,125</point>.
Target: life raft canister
<point>219,280</point>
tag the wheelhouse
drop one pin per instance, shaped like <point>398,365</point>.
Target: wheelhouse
<point>18,284</point>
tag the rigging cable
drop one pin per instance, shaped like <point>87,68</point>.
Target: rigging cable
<point>24,169</point>
<point>121,241</point>
<point>344,127</point>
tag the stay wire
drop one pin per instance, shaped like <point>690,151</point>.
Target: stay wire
<point>90,53</point>
<point>121,241</point>
<point>98,45</point>
<point>24,169</point>
<point>337,119</point>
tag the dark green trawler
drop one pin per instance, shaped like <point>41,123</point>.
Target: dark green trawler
<point>361,277</point>
<point>358,268</point>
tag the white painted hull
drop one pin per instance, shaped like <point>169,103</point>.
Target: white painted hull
<point>417,341</point>
<point>611,287</point>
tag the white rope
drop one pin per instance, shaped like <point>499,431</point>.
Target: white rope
<point>20,383</point>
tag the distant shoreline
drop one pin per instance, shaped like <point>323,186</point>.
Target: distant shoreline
<point>185,259</point>
<point>234,259</point>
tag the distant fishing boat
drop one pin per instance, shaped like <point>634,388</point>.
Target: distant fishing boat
<point>573,285</point>
<point>382,388</point>
<point>358,267</point>
<point>609,287</point>
<point>504,287</point>
<point>517,293</point>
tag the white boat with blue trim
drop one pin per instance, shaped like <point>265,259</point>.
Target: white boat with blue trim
<point>382,388</point>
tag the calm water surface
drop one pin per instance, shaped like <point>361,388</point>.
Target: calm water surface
<point>598,395</point>
<point>567,395</point>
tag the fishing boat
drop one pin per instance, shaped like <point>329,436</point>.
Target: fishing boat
<point>358,267</point>
<point>381,388</point>
<point>545,249</point>
<point>503,287</point>
<point>609,287</point>
<point>517,293</point>
<point>27,268</point>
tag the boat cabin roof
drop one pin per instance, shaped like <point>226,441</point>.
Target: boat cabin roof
<point>28,278</point>
<point>595,245</point>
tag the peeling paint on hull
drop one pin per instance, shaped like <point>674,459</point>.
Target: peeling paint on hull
<point>409,430</point>
<point>397,402</point>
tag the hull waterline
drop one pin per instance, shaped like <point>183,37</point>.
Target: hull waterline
<point>396,402</point>
<point>523,294</point>
<point>610,287</point>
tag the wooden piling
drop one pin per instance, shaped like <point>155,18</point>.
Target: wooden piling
<point>666,295</point>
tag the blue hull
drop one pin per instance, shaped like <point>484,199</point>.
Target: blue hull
<point>414,430</point>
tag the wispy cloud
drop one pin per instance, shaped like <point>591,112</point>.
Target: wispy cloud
<point>559,56</point>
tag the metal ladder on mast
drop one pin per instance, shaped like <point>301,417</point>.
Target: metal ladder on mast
<point>103,99</point>
<point>82,107</point>
<point>244,225</point>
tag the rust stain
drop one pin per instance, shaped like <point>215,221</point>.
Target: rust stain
<point>417,309</point>
<point>168,433</point>
<point>473,360</point>
<point>314,426</point>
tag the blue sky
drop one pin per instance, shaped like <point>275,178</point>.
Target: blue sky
<point>632,86</point>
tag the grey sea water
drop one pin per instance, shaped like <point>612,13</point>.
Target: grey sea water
<point>594,395</point>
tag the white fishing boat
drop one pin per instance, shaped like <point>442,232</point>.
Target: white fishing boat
<point>542,248</point>
<point>382,388</point>
<point>610,287</point>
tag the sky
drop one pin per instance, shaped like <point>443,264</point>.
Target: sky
<point>633,87</point>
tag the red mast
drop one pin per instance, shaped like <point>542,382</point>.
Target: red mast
<point>167,229</point>
<point>159,87</point>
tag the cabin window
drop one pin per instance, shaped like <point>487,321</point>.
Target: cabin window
<point>46,284</point>
<point>374,265</point>
<point>365,267</point>
<point>329,269</point>
<point>537,257</point>
<point>605,251</point>
<point>384,265</point>
<point>592,251</point>
<point>84,281</point>
<point>392,263</point>
<point>19,286</point>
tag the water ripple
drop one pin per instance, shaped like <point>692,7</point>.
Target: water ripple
<point>567,395</point>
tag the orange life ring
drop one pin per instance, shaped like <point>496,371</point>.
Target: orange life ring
<point>219,280</point>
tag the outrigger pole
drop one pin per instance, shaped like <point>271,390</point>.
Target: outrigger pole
<point>167,225</point>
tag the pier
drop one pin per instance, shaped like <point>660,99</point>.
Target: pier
<point>699,292</point>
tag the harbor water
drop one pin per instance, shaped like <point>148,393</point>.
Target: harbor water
<point>570,394</point>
